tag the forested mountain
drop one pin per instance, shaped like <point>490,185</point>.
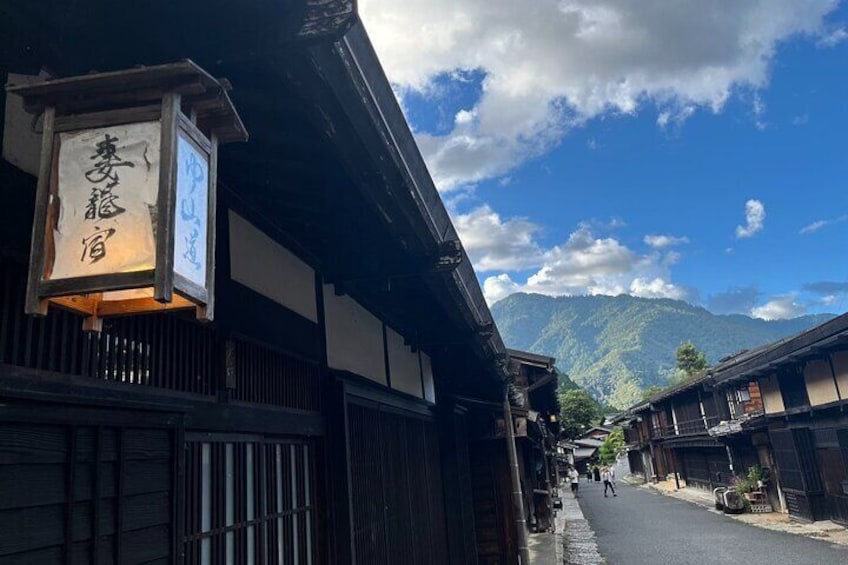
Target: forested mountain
<point>617,346</point>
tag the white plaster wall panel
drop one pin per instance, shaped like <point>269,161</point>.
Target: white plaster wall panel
<point>820,386</point>
<point>772,399</point>
<point>263,265</point>
<point>404,369</point>
<point>840,367</point>
<point>354,337</point>
<point>429,385</point>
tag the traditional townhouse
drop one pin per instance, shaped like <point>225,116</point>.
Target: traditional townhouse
<point>798,428</point>
<point>310,416</point>
<point>499,518</point>
<point>673,435</point>
<point>537,381</point>
<point>779,407</point>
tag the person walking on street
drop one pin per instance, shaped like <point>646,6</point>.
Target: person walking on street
<point>597,473</point>
<point>607,476</point>
<point>575,480</point>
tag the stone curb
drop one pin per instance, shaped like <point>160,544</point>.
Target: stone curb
<point>579,544</point>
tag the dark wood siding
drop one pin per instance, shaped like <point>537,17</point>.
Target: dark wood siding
<point>832,454</point>
<point>493,518</point>
<point>397,506</point>
<point>72,493</point>
<point>169,351</point>
<point>688,413</point>
<point>793,387</point>
<point>271,377</point>
<point>707,467</point>
<point>798,472</point>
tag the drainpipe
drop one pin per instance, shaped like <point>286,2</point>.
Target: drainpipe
<point>548,484</point>
<point>517,496</point>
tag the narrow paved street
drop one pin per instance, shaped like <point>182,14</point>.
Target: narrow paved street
<point>641,527</point>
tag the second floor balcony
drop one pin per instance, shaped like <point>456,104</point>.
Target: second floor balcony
<point>685,428</point>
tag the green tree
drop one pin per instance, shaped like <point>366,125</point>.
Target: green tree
<point>579,410</point>
<point>613,445</point>
<point>649,392</point>
<point>689,360</point>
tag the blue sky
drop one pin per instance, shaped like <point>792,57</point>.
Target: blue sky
<point>607,147</point>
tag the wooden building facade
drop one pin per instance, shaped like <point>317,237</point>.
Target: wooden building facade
<point>801,428</point>
<point>668,436</point>
<point>779,407</point>
<point>314,420</point>
<point>535,409</point>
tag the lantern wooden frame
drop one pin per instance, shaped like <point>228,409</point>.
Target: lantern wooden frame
<point>187,103</point>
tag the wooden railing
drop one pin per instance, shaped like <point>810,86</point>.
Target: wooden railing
<point>688,427</point>
<point>169,351</point>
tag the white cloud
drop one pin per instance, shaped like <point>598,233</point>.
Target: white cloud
<point>755,214</point>
<point>464,117</point>
<point>676,116</point>
<point>817,225</point>
<point>829,300</point>
<point>832,38</point>
<point>662,241</point>
<point>550,65</point>
<point>588,264</point>
<point>656,288</point>
<point>781,307</point>
<point>582,264</point>
<point>801,120</point>
<point>496,244</point>
<point>672,257</point>
<point>758,107</point>
<point>498,287</point>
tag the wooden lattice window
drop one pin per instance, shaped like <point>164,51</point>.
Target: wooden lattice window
<point>249,501</point>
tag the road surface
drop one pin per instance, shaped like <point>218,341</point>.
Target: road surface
<point>642,527</point>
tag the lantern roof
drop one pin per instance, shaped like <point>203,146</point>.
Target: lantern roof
<point>201,93</point>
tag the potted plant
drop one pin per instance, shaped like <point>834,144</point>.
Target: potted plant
<point>751,483</point>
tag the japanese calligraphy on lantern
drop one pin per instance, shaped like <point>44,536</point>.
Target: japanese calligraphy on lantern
<point>191,214</point>
<point>108,181</point>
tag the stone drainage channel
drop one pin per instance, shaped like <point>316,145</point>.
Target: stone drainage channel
<point>579,546</point>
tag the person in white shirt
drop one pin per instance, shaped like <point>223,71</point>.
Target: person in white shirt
<point>607,476</point>
<point>575,480</point>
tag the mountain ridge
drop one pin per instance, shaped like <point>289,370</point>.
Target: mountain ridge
<point>617,346</point>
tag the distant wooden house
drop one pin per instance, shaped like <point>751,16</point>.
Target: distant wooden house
<point>787,401</point>
<point>779,407</point>
<point>535,409</point>
<point>536,381</point>
<point>597,432</point>
<point>314,419</point>
<point>667,436</point>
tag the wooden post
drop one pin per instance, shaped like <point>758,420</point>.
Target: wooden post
<point>676,472</point>
<point>517,497</point>
<point>34,302</point>
<point>163,286</point>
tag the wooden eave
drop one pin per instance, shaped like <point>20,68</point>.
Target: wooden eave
<point>331,171</point>
<point>136,87</point>
<point>351,69</point>
<point>804,344</point>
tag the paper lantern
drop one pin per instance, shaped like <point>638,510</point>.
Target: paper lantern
<point>125,205</point>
